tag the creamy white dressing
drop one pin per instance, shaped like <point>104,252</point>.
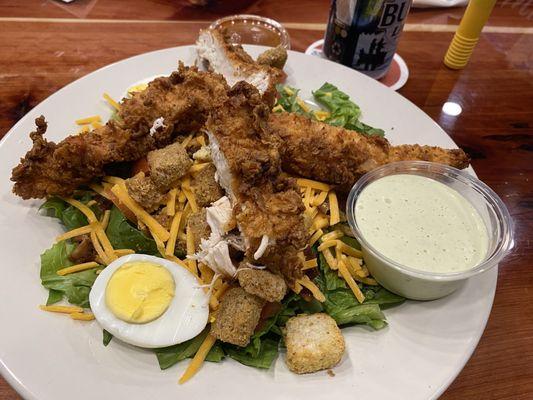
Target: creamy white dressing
<point>421,223</point>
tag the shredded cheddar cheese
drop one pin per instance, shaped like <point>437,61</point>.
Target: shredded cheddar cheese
<point>315,291</point>
<point>62,309</point>
<point>186,141</point>
<point>77,268</point>
<point>174,227</point>
<point>105,219</point>
<point>313,184</point>
<point>334,214</point>
<point>332,262</point>
<point>112,102</point>
<point>327,244</point>
<point>171,202</point>
<point>309,264</point>
<point>152,224</point>
<point>349,250</point>
<point>198,358</point>
<point>314,238</point>
<point>99,250</point>
<point>191,251</point>
<point>350,281</point>
<point>320,199</point>
<point>124,252</point>
<point>88,120</point>
<point>336,234</point>
<point>82,316</point>
<point>84,230</point>
<point>198,167</point>
<point>191,199</point>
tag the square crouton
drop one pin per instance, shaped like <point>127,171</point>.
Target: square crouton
<point>237,317</point>
<point>262,283</point>
<point>167,165</point>
<point>206,189</point>
<point>199,227</point>
<point>144,192</point>
<point>314,342</point>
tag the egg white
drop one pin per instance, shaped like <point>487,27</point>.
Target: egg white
<point>184,319</point>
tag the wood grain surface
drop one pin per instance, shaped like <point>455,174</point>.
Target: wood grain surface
<point>45,44</point>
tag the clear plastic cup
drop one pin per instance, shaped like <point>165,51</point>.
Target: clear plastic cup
<point>253,29</point>
<point>424,285</point>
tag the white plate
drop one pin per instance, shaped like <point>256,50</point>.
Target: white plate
<point>47,356</point>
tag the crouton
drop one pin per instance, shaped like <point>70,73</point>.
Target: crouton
<point>262,283</point>
<point>237,317</point>
<point>314,342</point>
<point>167,165</point>
<point>203,154</point>
<point>275,57</point>
<point>206,189</point>
<point>143,190</point>
<point>199,227</point>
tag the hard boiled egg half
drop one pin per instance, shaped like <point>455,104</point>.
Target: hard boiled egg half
<point>149,301</point>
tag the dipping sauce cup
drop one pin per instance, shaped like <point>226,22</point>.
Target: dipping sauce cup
<point>421,284</point>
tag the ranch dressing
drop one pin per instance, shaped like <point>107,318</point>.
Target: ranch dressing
<point>421,223</point>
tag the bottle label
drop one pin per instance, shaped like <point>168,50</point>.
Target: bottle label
<point>364,34</point>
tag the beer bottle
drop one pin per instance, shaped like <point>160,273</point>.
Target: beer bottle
<point>363,34</point>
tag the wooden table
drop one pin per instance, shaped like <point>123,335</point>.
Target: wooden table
<point>46,44</point>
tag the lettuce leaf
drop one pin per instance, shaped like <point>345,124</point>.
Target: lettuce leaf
<point>122,235</point>
<point>288,100</point>
<point>343,306</point>
<point>106,337</point>
<point>70,216</point>
<point>75,287</point>
<point>344,112</point>
<point>168,356</point>
<point>252,356</point>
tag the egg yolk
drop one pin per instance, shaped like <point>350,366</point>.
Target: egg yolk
<point>139,292</point>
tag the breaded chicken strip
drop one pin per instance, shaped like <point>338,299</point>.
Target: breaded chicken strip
<point>268,208</point>
<point>216,53</point>
<point>338,156</point>
<point>58,169</point>
<point>181,103</point>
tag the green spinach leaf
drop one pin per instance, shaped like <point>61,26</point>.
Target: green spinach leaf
<point>122,235</point>
<point>106,337</point>
<point>249,355</point>
<point>343,111</point>
<point>75,287</point>
<point>168,356</point>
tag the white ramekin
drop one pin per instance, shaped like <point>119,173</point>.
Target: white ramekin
<point>422,285</point>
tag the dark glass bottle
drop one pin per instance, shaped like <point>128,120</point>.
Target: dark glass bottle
<point>363,34</point>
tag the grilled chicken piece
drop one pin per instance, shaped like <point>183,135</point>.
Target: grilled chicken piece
<point>338,156</point>
<point>218,55</point>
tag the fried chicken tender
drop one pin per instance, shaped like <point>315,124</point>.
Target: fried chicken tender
<point>183,100</point>
<point>247,157</point>
<point>217,53</point>
<point>338,156</point>
<point>58,169</point>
